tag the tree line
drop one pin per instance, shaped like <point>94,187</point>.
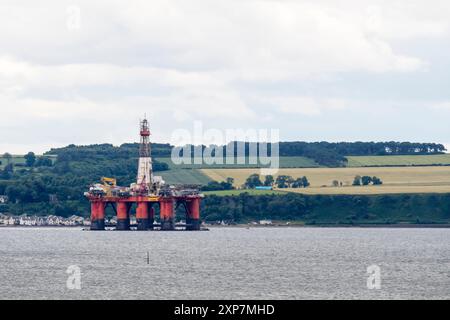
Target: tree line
<point>332,154</point>
<point>367,180</point>
<point>254,181</point>
<point>107,151</point>
<point>281,182</point>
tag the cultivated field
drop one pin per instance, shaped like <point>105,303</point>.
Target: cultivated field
<point>238,192</point>
<point>425,160</point>
<point>285,162</point>
<point>15,159</point>
<point>184,176</point>
<point>395,179</point>
<point>372,190</point>
<point>19,159</point>
<point>303,162</point>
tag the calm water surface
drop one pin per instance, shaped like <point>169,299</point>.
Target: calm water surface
<point>226,263</point>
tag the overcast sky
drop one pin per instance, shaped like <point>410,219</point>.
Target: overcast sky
<point>85,71</point>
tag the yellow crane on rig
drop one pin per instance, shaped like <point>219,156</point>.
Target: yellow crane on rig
<point>111,182</point>
<point>108,185</point>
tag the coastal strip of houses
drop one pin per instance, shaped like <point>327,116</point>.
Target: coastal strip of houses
<point>25,220</point>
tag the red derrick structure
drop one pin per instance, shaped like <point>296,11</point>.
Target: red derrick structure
<point>149,195</point>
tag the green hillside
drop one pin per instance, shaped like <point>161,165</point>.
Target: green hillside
<point>285,162</point>
<point>353,161</point>
<point>330,209</point>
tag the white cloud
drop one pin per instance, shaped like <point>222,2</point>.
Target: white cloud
<point>196,92</point>
<point>253,39</point>
<point>405,20</point>
<point>307,105</point>
<point>245,62</point>
<point>447,146</point>
<point>441,106</point>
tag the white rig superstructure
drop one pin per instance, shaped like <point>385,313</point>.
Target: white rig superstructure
<point>146,182</point>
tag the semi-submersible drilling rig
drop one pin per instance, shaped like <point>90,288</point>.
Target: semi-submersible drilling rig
<point>149,193</point>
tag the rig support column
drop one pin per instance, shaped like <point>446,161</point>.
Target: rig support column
<point>167,214</point>
<point>142,216</point>
<point>193,214</point>
<point>123,218</point>
<point>97,215</point>
<point>151,217</point>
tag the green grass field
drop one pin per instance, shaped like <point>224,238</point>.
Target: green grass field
<point>285,162</point>
<point>238,192</point>
<point>14,160</point>
<point>297,162</point>
<point>184,176</point>
<point>419,160</point>
<point>19,159</point>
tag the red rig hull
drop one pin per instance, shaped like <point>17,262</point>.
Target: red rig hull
<point>145,211</point>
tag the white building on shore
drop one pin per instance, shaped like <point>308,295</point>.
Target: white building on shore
<point>52,220</point>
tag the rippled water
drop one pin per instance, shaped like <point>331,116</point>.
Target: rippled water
<point>228,263</point>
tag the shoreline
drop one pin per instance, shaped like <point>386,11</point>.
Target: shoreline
<point>339,225</point>
<point>331,225</point>
<point>275,226</point>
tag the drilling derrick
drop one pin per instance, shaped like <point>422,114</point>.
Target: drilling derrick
<point>146,195</point>
<point>145,172</point>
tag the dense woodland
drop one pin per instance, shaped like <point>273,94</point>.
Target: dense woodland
<point>329,209</point>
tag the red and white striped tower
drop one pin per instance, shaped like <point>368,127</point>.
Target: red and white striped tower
<point>145,172</point>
